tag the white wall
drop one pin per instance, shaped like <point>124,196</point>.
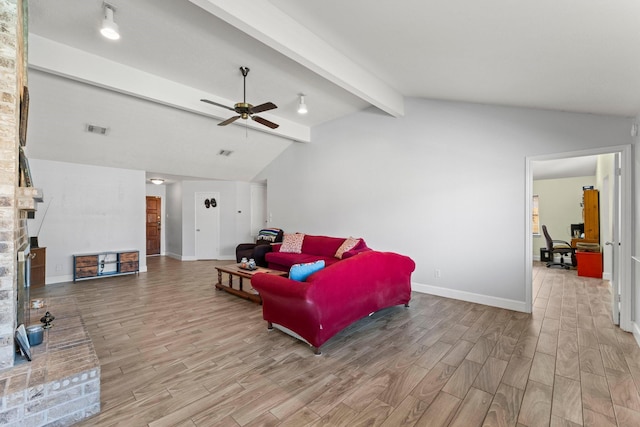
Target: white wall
<point>173,220</point>
<point>88,209</point>
<point>559,207</point>
<point>445,184</point>
<point>160,191</point>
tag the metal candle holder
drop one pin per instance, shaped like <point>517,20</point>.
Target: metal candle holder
<point>47,319</point>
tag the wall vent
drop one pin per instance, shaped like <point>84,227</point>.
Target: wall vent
<point>97,129</point>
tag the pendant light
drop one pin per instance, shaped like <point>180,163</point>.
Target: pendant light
<point>302,107</point>
<point>109,27</point>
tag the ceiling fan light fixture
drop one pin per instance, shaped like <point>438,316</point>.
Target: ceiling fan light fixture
<point>302,107</point>
<point>244,110</point>
<point>157,181</point>
<point>109,28</point>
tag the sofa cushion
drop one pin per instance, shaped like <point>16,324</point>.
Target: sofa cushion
<point>287,259</point>
<point>292,243</point>
<point>347,245</point>
<point>300,272</point>
<point>321,245</point>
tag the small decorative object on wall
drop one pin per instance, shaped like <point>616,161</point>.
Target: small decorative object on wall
<point>207,204</point>
<point>210,203</point>
<point>213,203</point>
<point>24,115</point>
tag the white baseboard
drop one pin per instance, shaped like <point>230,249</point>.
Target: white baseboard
<point>193,258</point>
<point>51,280</point>
<point>470,297</point>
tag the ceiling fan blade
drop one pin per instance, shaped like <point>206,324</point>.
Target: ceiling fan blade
<point>265,122</point>
<point>263,107</point>
<point>230,120</point>
<point>218,105</point>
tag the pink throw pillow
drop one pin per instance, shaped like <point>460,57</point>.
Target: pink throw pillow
<point>292,243</point>
<point>347,245</point>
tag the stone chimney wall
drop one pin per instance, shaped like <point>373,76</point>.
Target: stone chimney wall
<point>12,221</point>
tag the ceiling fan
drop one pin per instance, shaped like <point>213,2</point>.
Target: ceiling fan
<point>247,110</point>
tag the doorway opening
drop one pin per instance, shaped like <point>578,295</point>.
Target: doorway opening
<point>153,224</point>
<point>617,254</point>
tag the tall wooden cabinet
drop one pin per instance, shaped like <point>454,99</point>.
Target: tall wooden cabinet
<point>38,267</point>
<point>591,214</point>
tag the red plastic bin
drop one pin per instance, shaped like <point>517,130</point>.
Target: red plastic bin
<point>589,264</point>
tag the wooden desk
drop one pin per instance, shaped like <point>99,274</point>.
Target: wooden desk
<point>574,241</point>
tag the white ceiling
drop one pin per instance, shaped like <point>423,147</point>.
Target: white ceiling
<point>345,56</point>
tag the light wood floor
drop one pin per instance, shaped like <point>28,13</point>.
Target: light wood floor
<point>175,352</point>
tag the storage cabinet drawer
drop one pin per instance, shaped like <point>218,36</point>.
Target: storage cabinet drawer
<point>86,261</point>
<point>86,271</point>
<point>38,257</point>
<point>126,267</point>
<point>128,256</point>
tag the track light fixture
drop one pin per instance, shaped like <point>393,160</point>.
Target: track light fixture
<point>109,27</point>
<point>302,107</point>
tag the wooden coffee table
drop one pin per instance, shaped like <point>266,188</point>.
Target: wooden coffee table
<point>235,270</point>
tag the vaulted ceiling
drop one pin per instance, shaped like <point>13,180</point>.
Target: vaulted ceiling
<point>345,56</point>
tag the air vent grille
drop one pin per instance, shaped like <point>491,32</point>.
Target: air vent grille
<point>97,129</point>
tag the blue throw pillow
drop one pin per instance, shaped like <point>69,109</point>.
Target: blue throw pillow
<point>300,272</point>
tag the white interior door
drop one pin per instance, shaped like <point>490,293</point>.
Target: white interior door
<point>613,244</point>
<point>207,240</point>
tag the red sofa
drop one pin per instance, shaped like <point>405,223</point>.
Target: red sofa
<point>336,296</point>
<point>314,248</point>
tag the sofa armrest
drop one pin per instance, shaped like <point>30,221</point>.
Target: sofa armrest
<point>286,302</point>
<point>245,246</point>
<point>258,254</point>
<point>278,286</point>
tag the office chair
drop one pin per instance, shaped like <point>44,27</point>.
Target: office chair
<point>559,247</point>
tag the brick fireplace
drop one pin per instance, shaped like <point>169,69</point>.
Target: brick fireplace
<point>13,233</point>
<point>61,385</point>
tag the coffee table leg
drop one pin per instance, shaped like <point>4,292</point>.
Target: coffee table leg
<point>230,280</point>
<point>219,279</point>
<point>240,283</point>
